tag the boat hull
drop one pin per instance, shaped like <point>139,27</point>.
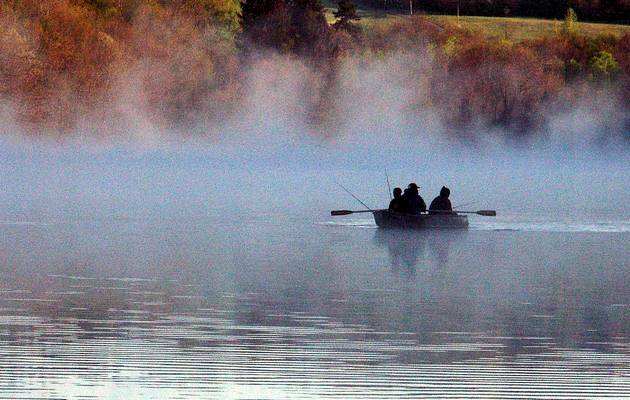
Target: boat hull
<point>387,219</point>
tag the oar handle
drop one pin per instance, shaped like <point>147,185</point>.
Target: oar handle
<point>487,213</point>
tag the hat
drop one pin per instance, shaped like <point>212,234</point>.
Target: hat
<point>412,185</point>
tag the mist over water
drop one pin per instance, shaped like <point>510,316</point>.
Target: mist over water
<point>269,155</point>
<point>51,181</point>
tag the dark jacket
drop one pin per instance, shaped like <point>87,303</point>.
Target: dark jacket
<point>397,205</point>
<point>414,204</point>
<point>440,203</point>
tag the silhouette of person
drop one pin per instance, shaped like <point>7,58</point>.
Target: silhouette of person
<point>414,204</point>
<point>397,204</point>
<point>441,203</point>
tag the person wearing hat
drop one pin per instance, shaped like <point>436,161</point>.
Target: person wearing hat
<point>414,204</point>
<point>441,203</point>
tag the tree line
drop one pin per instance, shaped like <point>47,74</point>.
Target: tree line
<point>183,65</point>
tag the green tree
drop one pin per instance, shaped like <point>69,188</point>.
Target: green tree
<point>295,26</point>
<point>267,24</point>
<point>570,21</point>
<point>603,65</point>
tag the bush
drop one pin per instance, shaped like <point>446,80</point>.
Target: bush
<point>603,66</point>
<point>572,69</point>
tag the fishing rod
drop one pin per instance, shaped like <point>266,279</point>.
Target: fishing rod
<point>354,197</point>
<point>389,188</point>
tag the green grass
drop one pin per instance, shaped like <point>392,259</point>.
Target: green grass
<point>517,29</point>
<point>513,29</point>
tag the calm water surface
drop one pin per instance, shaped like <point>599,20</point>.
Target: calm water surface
<point>274,307</point>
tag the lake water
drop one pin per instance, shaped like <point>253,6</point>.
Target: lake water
<point>268,306</point>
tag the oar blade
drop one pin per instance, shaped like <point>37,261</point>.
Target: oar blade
<point>335,213</point>
<point>487,213</point>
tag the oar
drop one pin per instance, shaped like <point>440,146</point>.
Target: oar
<point>485,213</point>
<point>335,213</point>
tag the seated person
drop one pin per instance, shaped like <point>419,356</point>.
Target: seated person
<point>397,204</point>
<point>441,203</point>
<point>414,204</point>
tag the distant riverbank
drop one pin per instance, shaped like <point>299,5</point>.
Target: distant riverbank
<point>200,68</point>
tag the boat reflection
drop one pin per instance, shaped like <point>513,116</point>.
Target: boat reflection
<point>407,248</point>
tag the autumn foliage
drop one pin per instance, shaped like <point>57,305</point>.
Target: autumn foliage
<point>67,65</point>
<point>65,61</point>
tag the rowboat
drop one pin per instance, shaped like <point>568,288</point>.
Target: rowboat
<point>389,219</point>
<point>434,220</point>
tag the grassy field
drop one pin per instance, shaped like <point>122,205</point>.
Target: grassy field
<point>514,29</point>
